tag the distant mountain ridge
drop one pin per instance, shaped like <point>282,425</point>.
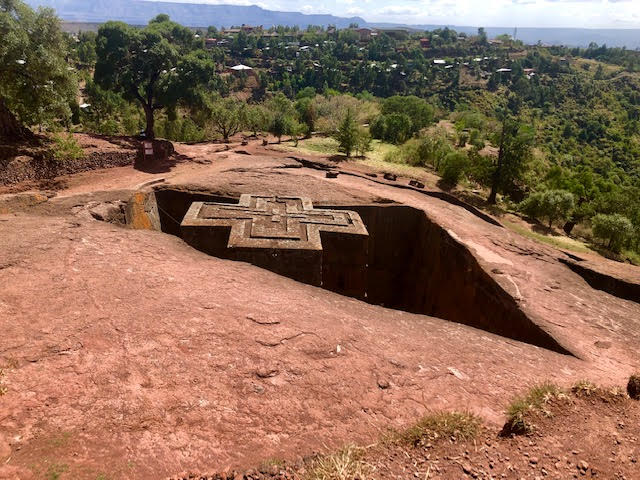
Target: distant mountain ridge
<point>139,12</point>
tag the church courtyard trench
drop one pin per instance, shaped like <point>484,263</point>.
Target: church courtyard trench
<point>412,264</point>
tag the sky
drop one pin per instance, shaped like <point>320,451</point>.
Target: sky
<point>487,13</point>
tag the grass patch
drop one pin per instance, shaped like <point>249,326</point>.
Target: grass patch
<point>374,159</point>
<point>535,400</point>
<point>322,145</point>
<point>55,471</point>
<point>60,440</point>
<point>584,388</point>
<point>270,463</point>
<point>632,257</point>
<point>345,464</point>
<point>440,426</point>
<point>558,242</point>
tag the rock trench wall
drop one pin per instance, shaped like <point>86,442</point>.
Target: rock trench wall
<point>413,264</point>
<point>601,281</point>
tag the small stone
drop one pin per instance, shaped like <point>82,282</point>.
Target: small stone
<point>266,372</point>
<point>582,465</point>
<point>533,460</point>
<point>466,468</point>
<point>383,384</point>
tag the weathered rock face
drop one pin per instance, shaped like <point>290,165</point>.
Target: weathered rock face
<point>411,264</point>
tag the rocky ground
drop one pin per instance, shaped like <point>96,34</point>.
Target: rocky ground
<point>583,434</point>
<point>127,354</point>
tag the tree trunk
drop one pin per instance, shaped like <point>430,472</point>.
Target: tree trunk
<point>149,131</point>
<point>494,191</point>
<point>495,181</point>
<point>10,128</point>
<point>568,227</point>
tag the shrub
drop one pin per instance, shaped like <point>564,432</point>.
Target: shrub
<point>616,230</point>
<point>66,148</point>
<point>480,168</point>
<point>471,120</point>
<point>476,140</point>
<point>453,168</point>
<point>633,387</point>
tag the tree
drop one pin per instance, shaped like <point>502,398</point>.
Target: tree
<point>283,114</point>
<point>86,49</point>
<point>363,143</point>
<point>515,149</point>
<point>378,127</point>
<point>155,66</point>
<point>278,127</point>
<point>257,118</point>
<point>307,114</point>
<point>398,128</point>
<point>419,111</point>
<point>553,205</point>
<point>35,84</point>
<point>295,129</point>
<point>226,116</point>
<point>615,229</point>
<point>347,134</point>
<point>482,36</point>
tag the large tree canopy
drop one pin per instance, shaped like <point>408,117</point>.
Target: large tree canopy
<point>36,85</point>
<point>158,66</point>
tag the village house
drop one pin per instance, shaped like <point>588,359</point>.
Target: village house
<point>364,34</point>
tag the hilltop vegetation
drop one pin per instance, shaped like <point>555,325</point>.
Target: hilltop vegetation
<point>550,131</point>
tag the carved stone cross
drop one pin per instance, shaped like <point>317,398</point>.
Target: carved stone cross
<point>282,234</point>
